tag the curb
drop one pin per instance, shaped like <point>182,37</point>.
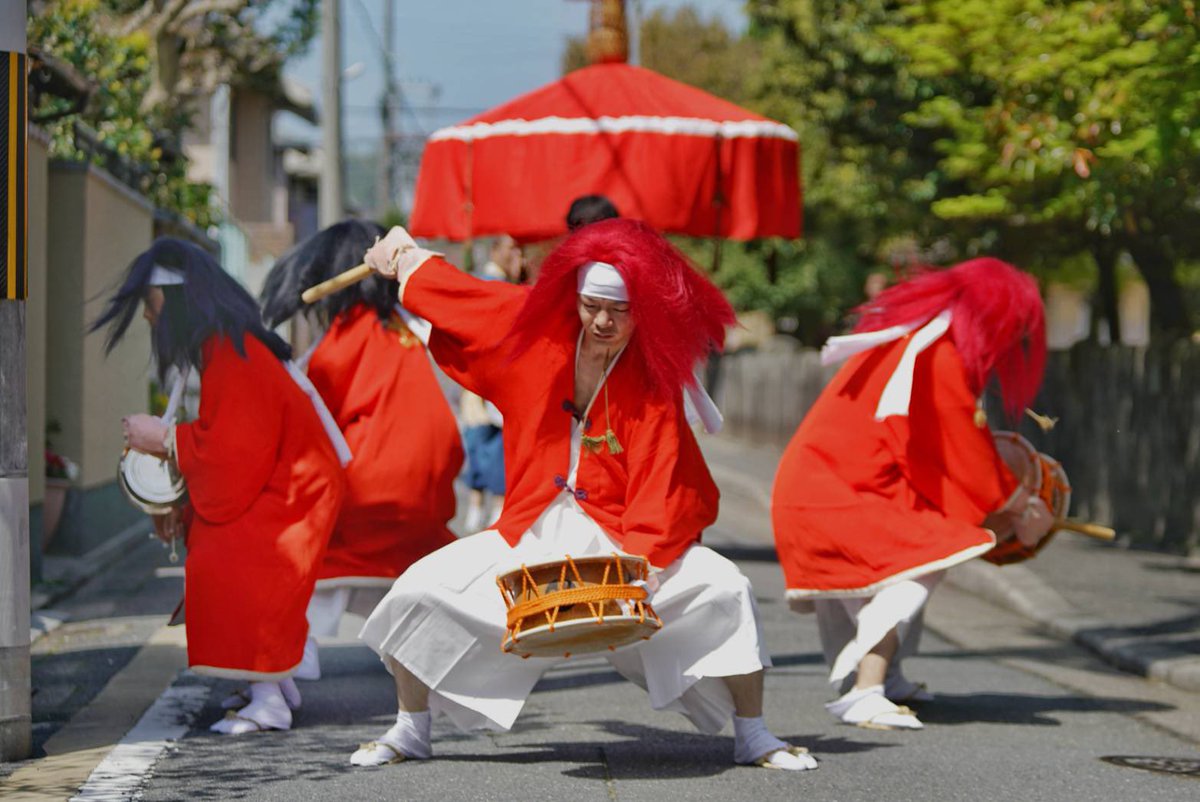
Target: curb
<point>1016,588</point>
<point>65,575</point>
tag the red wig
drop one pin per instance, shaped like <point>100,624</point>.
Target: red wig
<point>679,315</point>
<point>998,324</point>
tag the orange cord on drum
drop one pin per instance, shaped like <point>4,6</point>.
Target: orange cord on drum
<point>551,602</point>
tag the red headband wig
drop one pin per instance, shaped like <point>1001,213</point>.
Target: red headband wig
<point>678,314</point>
<point>998,325</point>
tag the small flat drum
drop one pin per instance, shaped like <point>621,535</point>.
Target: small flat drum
<point>150,483</point>
<point>576,606</point>
<point>1045,478</point>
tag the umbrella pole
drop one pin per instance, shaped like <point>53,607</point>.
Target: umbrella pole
<point>718,204</point>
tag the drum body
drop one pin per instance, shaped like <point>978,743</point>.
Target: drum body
<point>576,606</point>
<point>1045,478</point>
<point>152,484</point>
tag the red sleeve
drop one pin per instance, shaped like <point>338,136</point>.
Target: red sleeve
<point>671,496</point>
<point>228,453</point>
<point>470,319</point>
<point>946,458</point>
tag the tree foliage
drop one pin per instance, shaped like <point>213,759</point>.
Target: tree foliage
<point>140,100</point>
<point>1031,129</point>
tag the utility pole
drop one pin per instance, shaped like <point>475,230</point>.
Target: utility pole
<point>16,733</point>
<point>635,33</point>
<point>332,206</point>
<point>390,107</point>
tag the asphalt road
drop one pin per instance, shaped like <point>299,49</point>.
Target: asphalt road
<point>995,732</point>
<point>1019,716</point>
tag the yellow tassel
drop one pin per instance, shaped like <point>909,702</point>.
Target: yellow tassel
<point>614,446</point>
<point>592,444</point>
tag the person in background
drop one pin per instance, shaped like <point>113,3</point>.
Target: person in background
<point>588,209</point>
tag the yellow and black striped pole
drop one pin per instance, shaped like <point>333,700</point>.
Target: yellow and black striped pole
<point>16,728</point>
<point>14,175</point>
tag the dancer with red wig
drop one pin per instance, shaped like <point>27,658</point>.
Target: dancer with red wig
<point>589,368</point>
<point>893,476</point>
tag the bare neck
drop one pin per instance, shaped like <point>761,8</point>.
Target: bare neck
<point>592,361</point>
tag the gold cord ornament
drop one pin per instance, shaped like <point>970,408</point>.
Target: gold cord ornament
<point>609,438</point>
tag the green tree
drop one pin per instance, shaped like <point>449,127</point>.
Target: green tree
<point>146,61</point>
<point>1085,136</point>
<point>869,175</point>
<point>1030,129</point>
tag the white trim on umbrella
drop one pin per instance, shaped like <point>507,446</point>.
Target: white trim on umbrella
<point>684,126</point>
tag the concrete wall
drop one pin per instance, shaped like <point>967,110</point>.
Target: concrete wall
<point>98,227</point>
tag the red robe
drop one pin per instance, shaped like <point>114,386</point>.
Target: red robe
<point>379,385</point>
<point>859,503</point>
<point>654,498</point>
<point>264,485</point>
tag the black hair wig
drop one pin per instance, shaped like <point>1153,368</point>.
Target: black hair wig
<point>322,256</point>
<point>209,302</point>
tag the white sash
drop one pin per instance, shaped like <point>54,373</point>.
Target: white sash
<point>897,393</point>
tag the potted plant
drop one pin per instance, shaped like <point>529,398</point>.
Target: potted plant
<point>61,473</point>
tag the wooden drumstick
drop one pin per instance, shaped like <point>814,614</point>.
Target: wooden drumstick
<point>338,282</point>
<point>1091,530</point>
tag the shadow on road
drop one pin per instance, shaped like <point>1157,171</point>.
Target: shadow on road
<point>1023,709</point>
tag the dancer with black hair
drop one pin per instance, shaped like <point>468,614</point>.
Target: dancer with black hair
<point>371,369</point>
<point>589,368</point>
<point>262,471</point>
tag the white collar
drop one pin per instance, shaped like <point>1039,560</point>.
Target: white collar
<point>897,393</point>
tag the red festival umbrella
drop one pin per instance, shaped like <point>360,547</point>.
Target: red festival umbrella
<point>683,160</point>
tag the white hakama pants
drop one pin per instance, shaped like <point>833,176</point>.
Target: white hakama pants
<point>444,620</point>
<point>851,627</point>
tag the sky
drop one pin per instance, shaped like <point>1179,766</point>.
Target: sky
<point>455,58</point>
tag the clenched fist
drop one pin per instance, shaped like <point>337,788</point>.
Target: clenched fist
<point>386,255</point>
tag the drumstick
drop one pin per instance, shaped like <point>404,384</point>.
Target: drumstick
<point>338,282</point>
<point>1082,528</point>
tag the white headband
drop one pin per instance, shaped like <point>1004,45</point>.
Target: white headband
<point>164,277</point>
<point>601,280</point>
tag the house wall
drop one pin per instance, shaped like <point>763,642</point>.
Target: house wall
<point>99,226</point>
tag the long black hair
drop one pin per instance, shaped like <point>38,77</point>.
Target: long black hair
<point>322,256</point>
<point>209,302</point>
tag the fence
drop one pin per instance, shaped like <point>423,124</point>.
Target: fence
<point>1128,432</point>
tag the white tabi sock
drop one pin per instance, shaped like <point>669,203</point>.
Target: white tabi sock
<point>868,707</point>
<point>267,711</point>
<point>409,738</point>
<point>310,663</point>
<point>752,740</point>
<point>241,697</point>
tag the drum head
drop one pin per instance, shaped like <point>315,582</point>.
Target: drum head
<point>1020,456</point>
<point>150,482</point>
<point>582,636</point>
